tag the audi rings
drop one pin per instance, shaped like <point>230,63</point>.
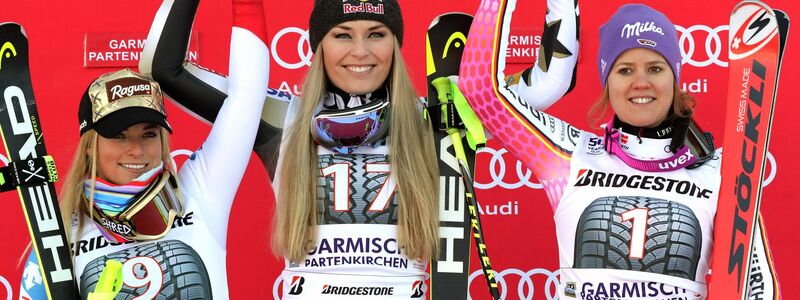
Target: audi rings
<point>773,168</point>
<point>275,286</point>
<point>497,170</point>
<point>7,285</point>
<point>304,51</point>
<point>550,288</point>
<point>714,45</point>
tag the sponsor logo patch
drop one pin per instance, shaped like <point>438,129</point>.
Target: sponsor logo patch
<point>127,87</point>
<point>588,177</point>
<point>357,291</point>
<point>296,287</point>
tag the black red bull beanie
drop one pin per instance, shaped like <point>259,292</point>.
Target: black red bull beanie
<point>329,13</point>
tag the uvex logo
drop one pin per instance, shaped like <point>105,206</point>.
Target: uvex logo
<point>646,42</point>
<point>678,161</point>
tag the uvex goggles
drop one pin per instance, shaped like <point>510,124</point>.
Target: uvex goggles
<point>700,143</point>
<point>148,216</point>
<point>342,130</point>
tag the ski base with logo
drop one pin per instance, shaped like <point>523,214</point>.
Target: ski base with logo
<point>445,41</point>
<point>757,36</point>
<point>23,139</point>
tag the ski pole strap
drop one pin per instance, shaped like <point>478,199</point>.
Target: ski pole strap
<point>27,172</point>
<point>444,95</point>
<point>476,137</point>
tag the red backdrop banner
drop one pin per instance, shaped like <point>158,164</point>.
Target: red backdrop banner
<point>517,220</point>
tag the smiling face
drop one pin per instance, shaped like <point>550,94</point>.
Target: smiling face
<point>641,87</point>
<point>131,153</point>
<point>358,55</point>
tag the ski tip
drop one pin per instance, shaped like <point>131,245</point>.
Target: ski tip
<point>11,25</point>
<point>780,14</point>
<point>439,17</point>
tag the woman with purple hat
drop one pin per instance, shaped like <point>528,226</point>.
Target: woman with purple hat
<point>357,176</point>
<point>634,208</point>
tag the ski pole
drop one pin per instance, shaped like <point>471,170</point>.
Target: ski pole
<point>444,91</point>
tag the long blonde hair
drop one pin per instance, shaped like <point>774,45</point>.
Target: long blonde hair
<point>81,168</point>
<point>413,166</point>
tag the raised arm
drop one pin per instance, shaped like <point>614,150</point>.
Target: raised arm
<point>510,109</point>
<point>198,90</point>
<point>215,170</point>
<point>227,148</point>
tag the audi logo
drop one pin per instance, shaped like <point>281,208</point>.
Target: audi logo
<point>304,52</point>
<point>179,152</point>
<point>7,285</point>
<point>275,286</point>
<point>176,153</point>
<point>497,170</point>
<point>525,287</point>
<point>713,45</point>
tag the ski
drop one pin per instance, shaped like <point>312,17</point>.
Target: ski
<point>445,41</point>
<point>762,277</point>
<point>755,45</point>
<point>31,172</point>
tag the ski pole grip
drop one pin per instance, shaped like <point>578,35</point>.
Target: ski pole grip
<point>445,95</point>
<point>109,283</point>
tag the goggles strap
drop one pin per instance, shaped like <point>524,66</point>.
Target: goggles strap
<point>339,99</point>
<point>93,175</point>
<point>27,172</point>
<point>681,125</point>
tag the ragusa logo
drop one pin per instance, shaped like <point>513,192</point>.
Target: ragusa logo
<point>118,91</point>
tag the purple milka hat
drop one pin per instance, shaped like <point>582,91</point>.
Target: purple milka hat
<point>638,26</point>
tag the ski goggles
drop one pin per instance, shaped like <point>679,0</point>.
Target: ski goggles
<point>700,143</point>
<point>343,130</point>
<point>149,215</point>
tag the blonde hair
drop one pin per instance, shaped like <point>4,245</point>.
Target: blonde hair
<point>682,106</point>
<point>414,168</point>
<point>84,165</point>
